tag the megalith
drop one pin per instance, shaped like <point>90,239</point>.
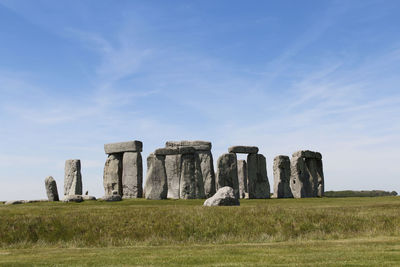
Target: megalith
<point>173,171</point>
<point>112,178</point>
<point>191,182</point>
<point>257,178</point>
<point>282,177</point>
<point>242,176</point>
<point>51,189</point>
<point>307,178</point>
<point>227,173</point>
<point>132,175</point>
<point>225,196</point>
<point>73,177</point>
<point>156,178</point>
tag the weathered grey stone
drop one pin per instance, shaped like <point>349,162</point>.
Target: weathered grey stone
<point>13,202</point>
<point>72,198</point>
<point>191,182</point>
<point>225,196</point>
<point>227,172</point>
<point>282,177</point>
<point>113,197</point>
<point>36,200</point>
<point>51,189</point>
<point>131,146</point>
<point>243,149</point>
<point>112,177</point>
<point>174,150</point>
<point>242,176</point>
<point>173,171</point>
<point>87,197</point>
<point>207,170</point>
<point>257,178</point>
<point>132,175</point>
<point>156,180</point>
<point>198,145</point>
<point>73,177</point>
<point>307,178</point>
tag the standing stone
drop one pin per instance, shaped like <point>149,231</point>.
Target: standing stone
<point>282,177</point>
<point>73,177</point>
<point>132,175</point>
<point>258,184</point>
<point>191,182</point>
<point>156,179</point>
<point>51,189</point>
<point>207,170</point>
<point>320,173</point>
<point>112,178</point>
<point>173,170</point>
<point>242,176</point>
<point>227,174</point>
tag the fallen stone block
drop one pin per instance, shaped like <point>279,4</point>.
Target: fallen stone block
<point>87,197</point>
<point>225,196</point>
<point>73,198</point>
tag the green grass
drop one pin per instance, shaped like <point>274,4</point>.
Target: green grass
<point>182,232</point>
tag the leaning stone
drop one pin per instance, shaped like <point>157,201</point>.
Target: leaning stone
<point>73,177</point>
<point>132,175</point>
<point>243,149</point>
<point>51,189</point>
<point>131,146</point>
<point>257,178</point>
<point>282,177</point>
<point>87,197</point>
<point>156,179</point>
<point>207,170</point>
<point>198,145</point>
<point>173,171</point>
<point>227,172</point>
<point>242,176</point>
<point>72,198</point>
<point>112,177</point>
<point>191,182</point>
<point>225,196</point>
<point>13,202</point>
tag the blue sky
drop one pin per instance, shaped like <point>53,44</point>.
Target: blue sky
<point>282,75</point>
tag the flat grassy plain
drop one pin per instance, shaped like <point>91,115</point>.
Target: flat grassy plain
<point>328,231</point>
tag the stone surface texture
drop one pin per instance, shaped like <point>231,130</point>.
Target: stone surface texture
<point>191,181</point>
<point>307,177</point>
<point>131,146</point>
<point>51,189</point>
<point>174,150</point>
<point>73,177</point>
<point>242,176</point>
<point>225,196</point>
<point>156,179</point>
<point>243,149</point>
<point>73,198</point>
<point>257,178</point>
<point>207,170</point>
<point>227,174</point>
<point>87,197</point>
<point>282,177</point>
<point>132,175</point>
<point>198,145</point>
<point>173,171</point>
<point>112,177</point>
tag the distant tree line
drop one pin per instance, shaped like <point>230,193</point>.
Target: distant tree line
<point>363,193</point>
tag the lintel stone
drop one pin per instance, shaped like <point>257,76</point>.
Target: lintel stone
<point>243,149</point>
<point>130,146</point>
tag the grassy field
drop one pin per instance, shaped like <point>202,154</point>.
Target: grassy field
<point>329,231</point>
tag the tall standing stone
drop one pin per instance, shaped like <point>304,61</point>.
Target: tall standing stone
<point>282,177</point>
<point>173,170</point>
<point>258,184</point>
<point>112,178</point>
<point>207,170</point>
<point>242,175</point>
<point>73,177</point>
<point>156,178</point>
<point>51,189</point>
<point>132,175</point>
<point>227,174</point>
<point>191,182</point>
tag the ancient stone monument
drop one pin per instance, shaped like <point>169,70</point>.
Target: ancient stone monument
<point>225,196</point>
<point>156,178</point>
<point>282,177</point>
<point>242,175</point>
<point>73,177</point>
<point>51,189</point>
<point>227,173</point>
<point>307,177</point>
<point>123,170</point>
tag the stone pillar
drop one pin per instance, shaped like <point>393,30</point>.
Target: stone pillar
<point>207,170</point>
<point>258,184</point>
<point>51,189</point>
<point>282,177</point>
<point>242,175</point>
<point>227,174</point>
<point>320,173</point>
<point>173,170</point>
<point>112,178</point>
<point>132,175</point>
<point>156,178</point>
<point>191,182</point>
<point>73,177</point>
